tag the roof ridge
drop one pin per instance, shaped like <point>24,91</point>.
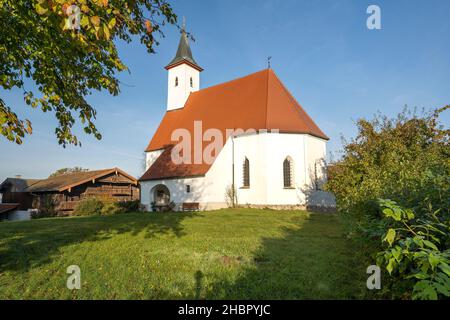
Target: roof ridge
<point>228,82</point>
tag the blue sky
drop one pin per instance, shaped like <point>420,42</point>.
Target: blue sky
<point>336,68</point>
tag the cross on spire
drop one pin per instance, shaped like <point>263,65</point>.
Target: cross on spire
<point>268,62</point>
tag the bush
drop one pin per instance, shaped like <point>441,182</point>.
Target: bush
<point>416,250</point>
<point>46,207</point>
<point>89,206</point>
<point>130,206</point>
<point>406,160</point>
<point>110,208</point>
<point>105,206</point>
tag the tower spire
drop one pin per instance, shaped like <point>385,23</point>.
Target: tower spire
<point>184,53</point>
<point>183,73</point>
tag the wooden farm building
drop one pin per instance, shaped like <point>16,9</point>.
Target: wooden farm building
<point>14,190</point>
<point>67,190</point>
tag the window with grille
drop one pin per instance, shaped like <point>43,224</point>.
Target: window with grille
<point>287,173</point>
<point>192,83</point>
<point>176,81</point>
<point>246,173</point>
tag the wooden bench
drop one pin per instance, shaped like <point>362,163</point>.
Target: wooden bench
<point>190,206</point>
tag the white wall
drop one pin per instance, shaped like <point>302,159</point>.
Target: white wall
<point>178,95</point>
<point>150,157</point>
<point>200,192</point>
<point>266,153</point>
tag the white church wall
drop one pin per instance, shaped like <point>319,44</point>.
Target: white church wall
<point>266,153</point>
<point>177,188</point>
<point>316,154</point>
<point>279,147</point>
<point>253,148</point>
<point>178,95</point>
<point>150,157</point>
<point>315,150</point>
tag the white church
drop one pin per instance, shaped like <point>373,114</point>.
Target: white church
<point>274,156</point>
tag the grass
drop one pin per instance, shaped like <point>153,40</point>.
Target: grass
<point>235,254</point>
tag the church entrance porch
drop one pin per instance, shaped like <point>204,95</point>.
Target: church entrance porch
<point>161,198</point>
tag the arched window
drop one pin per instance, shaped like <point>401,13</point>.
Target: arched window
<point>246,173</point>
<point>192,83</point>
<point>176,81</point>
<point>287,172</point>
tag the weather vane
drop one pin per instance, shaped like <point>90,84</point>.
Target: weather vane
<point>268,62</point>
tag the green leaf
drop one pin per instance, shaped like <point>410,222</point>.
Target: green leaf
<point>390,236</point>
<point>424,291</point>
<point>409,214</point>
<point>445,268</point>
<point>396,253</point>
<point>41,9</point>
<point>112,23</point>
<point>391,265</point>
<point>419,275</point>
<point>442,289</point>
<point>430,244</point>
<point>84,22</point>
<point>433,260</point>
<point>106,32</point>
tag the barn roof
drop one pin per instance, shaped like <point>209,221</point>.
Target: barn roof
<point>258,101</point>
<point>17,184</point>
<point>70,180</point>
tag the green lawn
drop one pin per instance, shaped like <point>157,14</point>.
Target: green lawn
<point>236,254</point>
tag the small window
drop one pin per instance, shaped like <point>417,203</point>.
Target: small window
<point>192,83</point>
<point>176,81</point>
<point>246,173</point>
<point>188,188</point>
<point>287,173</point>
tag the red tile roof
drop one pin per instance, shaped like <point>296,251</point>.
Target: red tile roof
<point>258,101</point>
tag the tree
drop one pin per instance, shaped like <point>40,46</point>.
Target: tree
<point>41,40</point>
<point>393,184</point>
<point>404,159</point>
<point>62,171</point>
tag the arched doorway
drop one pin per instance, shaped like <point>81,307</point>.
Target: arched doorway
<point>161,195</point>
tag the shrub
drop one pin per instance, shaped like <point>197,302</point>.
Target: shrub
<point>130,206</point>
<point>231,196</point>
<point>89,206</point>
<point>46,207</point>
<point>417,250</point>
<point>404,159</point>
<point>110,208</point>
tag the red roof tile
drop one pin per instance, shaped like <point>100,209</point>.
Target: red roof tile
<point>258,101</point>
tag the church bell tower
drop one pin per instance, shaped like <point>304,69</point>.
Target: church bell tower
<point>183,75</point>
